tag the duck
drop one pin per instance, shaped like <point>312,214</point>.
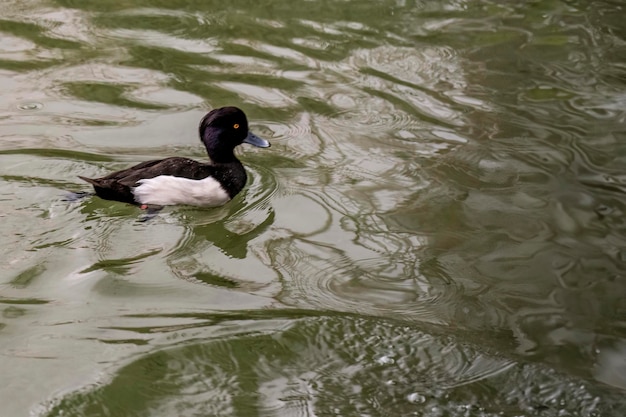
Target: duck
<point>183,181</point>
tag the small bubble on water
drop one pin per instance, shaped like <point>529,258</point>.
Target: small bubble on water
<point>416,398</point>
<point>385,360</point>
<point>436,411</point>
<point>30,106</point>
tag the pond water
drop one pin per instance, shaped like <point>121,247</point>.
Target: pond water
<point>437,230</point>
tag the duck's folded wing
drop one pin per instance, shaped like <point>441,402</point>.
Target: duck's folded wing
<point>175,166</point>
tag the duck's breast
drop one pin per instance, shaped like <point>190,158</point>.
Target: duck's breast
<point>167,190</point>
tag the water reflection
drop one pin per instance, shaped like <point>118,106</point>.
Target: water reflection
<point>334,366</point>
<point>453,166</point>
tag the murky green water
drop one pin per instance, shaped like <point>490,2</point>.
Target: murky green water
<point>437,230</point>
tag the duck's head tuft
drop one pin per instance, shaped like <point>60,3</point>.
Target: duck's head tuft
<point>221,130</point>
<point>230,122</point>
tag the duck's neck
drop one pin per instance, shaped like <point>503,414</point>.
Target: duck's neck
<point>220,152</point>
<point>222,156</point>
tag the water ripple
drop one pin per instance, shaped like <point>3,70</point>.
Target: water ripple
<point>457,165</point>
<point>318,366</point>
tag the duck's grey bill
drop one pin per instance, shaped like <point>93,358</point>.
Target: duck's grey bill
<point>253,139</point>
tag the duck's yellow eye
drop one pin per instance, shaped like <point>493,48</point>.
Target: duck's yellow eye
<point>236,126</point>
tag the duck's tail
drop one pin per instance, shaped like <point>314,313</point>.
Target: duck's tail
<point>90,180</point>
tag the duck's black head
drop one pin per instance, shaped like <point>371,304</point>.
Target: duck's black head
<point>221,130</point>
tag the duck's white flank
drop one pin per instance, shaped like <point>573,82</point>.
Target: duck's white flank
<point>167,190</point>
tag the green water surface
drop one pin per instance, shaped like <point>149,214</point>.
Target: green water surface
<point>437,230</point>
